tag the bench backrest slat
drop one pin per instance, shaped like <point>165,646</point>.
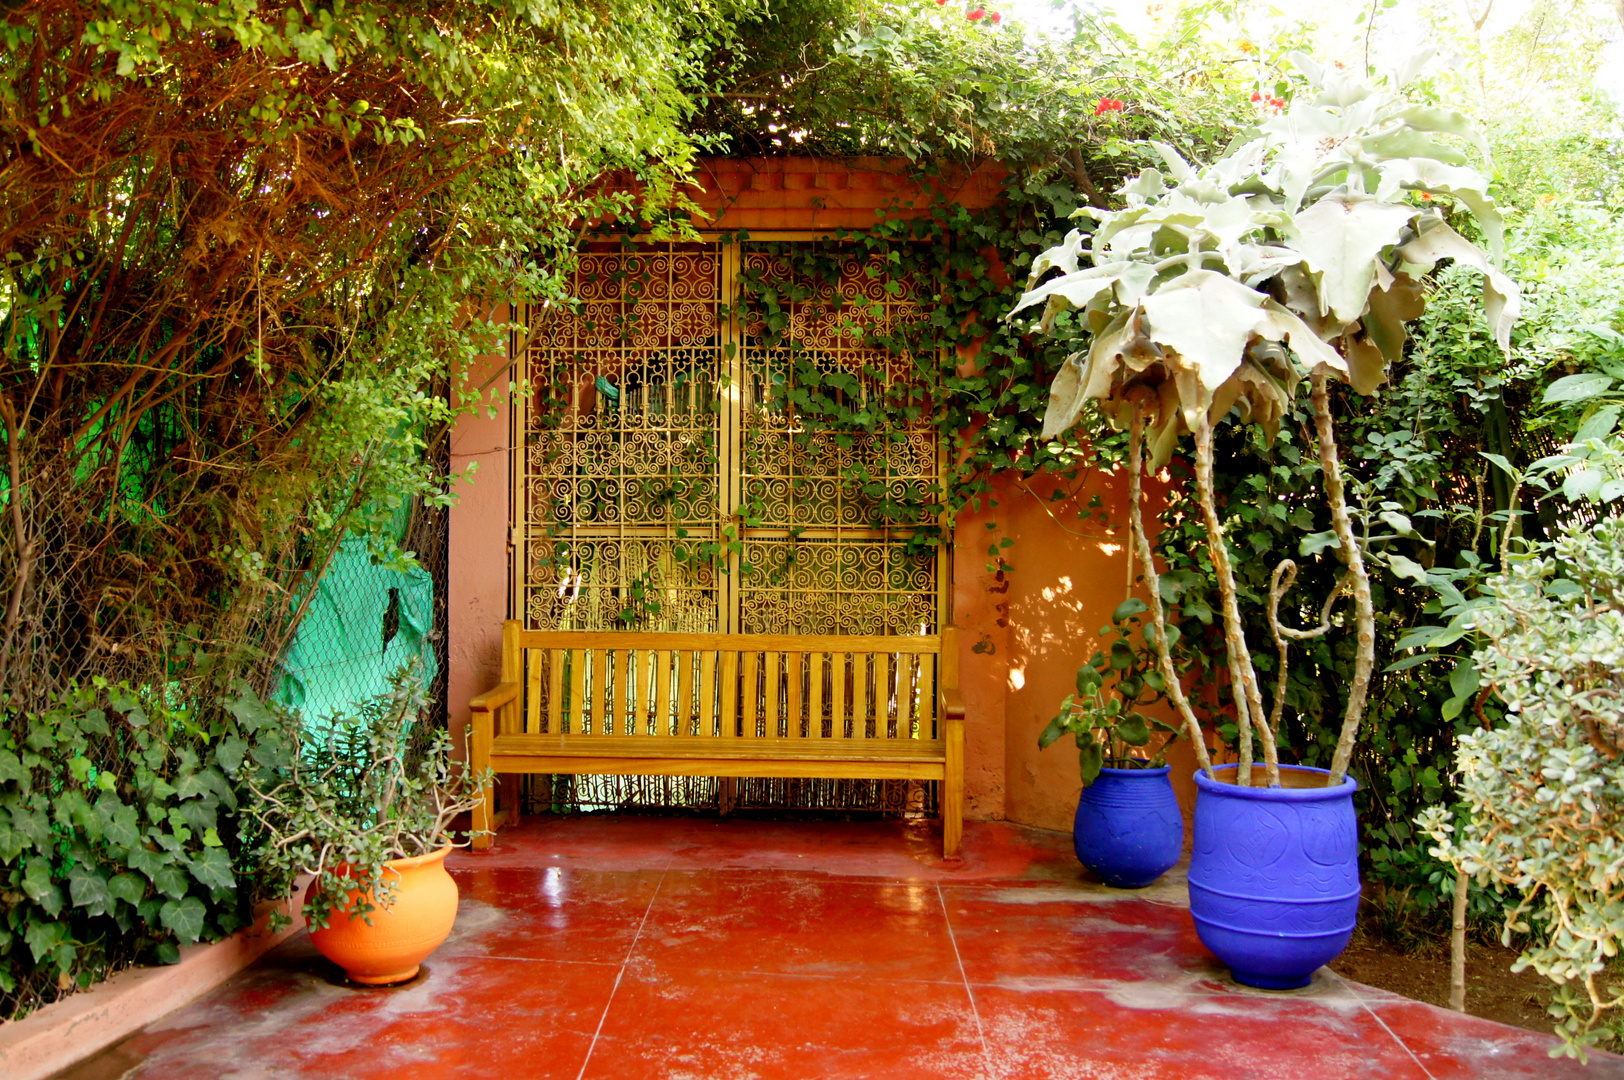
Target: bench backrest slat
<point>735,686</point>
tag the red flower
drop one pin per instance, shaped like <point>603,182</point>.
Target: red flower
<point>976,14</point>
<point>1256,96</point>
<point>1277,103</point>
<point>995,18</point>
<point>1108,105</point>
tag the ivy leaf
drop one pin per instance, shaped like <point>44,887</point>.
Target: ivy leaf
<point>44,937</point>
<point>118,820</point>
<point>128,887</point>
<point>230,753</point>
<point>184,918</point>
<point>170,880</point>
<point>37,884</point>
<point>12,771</point>
<point>88,889</point>
<point>213,868</point>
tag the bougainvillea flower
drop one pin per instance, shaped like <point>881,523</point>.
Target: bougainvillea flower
<point>1256,96</point>
<point>1107,105</point>
<point>995,18</point>
<point>976,14</point>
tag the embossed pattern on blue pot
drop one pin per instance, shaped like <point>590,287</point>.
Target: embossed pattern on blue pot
<point>1274,877</point>
<point>1128,828</point>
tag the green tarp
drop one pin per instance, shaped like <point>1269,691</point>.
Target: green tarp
<point>364,624</point>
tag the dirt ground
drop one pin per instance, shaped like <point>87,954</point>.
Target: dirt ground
<point>1492,991</point>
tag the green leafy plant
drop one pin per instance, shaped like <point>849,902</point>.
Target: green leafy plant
<point>1106,724</point>
<point>1544,788</point>
<point>365,794</point>
<point>120,834</point>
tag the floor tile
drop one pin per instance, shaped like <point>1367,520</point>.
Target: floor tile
<point>1172,1035</point>
<point>469,1017</point>
<point>767,921</point>
<point>556,913</point>
<point>715,1025</point>
<point>1028,937</point>
<point>1454,1046</point>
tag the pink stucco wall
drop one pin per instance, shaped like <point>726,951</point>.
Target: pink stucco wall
<point>477,574</point>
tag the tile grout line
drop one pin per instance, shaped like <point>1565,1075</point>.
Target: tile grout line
<point>630,949</point>
<point>975,1010</point>
<point>1374,1015</point>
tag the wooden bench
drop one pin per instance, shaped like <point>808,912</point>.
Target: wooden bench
<point>828,707</point>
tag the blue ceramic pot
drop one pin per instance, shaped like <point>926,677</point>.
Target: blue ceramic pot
<point>1128,828</point>
<point>1274,877</point>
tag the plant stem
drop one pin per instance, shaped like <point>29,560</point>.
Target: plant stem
<point>1243,677</point>
<point>1364,611</point>
<point>1457,946</point>
<point>1153,584</point>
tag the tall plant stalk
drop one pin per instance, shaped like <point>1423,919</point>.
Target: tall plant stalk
<point>1243,676</point>
<point>1358,578</point>
<point>1153,585</point>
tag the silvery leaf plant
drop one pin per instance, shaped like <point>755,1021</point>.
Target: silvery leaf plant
<point>1217,290</point>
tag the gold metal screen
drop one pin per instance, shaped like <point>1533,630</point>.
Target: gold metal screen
<point>669,481</point>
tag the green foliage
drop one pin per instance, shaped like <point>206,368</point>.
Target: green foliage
<point>1544,788</point>
<point>1107,726</point>
<point>365,794</point>
<point>120,835</point>
<point>247,254</point>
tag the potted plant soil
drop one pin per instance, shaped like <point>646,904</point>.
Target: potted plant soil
<point>367,810</point>
<point>1128,830</point>
<point>1212,295</point>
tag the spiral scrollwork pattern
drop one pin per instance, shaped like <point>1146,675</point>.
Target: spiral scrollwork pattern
<point>669,480</point>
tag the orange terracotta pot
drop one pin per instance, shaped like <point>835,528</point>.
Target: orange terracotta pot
<point>402,935</point>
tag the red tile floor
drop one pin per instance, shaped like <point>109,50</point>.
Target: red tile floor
<point>745,950</point>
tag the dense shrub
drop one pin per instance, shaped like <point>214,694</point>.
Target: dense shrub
<point>1544,788</point>
<point>120,832</point>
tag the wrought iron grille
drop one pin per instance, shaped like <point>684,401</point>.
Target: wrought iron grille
<point>670,482</point>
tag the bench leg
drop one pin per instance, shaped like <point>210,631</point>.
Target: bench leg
<point>953,790</point>
<point>479,759</point>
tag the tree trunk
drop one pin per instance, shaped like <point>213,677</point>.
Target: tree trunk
<point>1457,945</point>
<point>1153,584</point>
<point>1364,612</point>
<point>1243,677</point>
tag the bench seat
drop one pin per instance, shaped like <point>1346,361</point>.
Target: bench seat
<point>726,705</point>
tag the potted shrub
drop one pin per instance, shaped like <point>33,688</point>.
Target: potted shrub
<point>1128,830</point>
<point>367,810</point>
<point>1216,291</point>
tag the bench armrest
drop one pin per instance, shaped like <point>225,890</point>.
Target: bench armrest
<point>495,697</point>
<point>952,703</point>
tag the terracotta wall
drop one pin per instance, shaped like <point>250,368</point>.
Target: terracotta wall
<point>477,570</point>
<point>1023,634</point>
<point>1027,632</point>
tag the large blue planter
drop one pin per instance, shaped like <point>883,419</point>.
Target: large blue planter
<point>1128,828</point>
<point>1274,877</point>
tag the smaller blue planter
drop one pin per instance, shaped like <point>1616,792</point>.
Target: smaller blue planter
<point>1274,875</point>
<point>1129,830</point>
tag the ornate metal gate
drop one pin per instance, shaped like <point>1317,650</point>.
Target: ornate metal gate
<point>674,477</point>
<point>682,467</point>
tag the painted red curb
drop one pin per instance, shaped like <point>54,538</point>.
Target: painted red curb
<point>50,1039</point>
